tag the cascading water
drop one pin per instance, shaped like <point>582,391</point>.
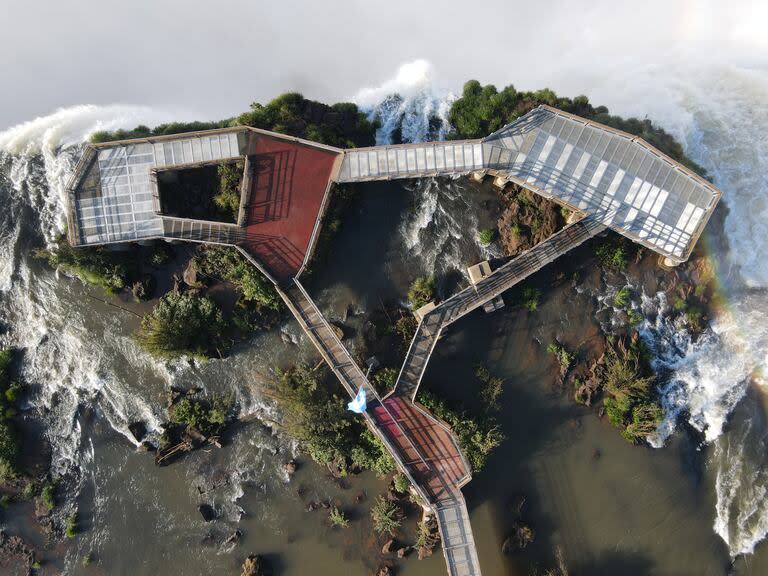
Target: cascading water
<point>720,117</point>
<point>74,356</point>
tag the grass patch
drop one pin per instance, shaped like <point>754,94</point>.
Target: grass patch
<point>530,298</point>
<point>487,236</point>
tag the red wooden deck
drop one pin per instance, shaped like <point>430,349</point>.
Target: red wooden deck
<point>289,183</point>
<point>435,462</point>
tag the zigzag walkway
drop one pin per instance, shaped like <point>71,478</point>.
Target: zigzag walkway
<point>424,447</point>
<point>485,290</point>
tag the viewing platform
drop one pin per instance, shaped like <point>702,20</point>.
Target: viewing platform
<point>608,178</point>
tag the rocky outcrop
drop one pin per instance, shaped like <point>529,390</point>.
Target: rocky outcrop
<point>256,565</point>
<point>521,533</point>
<point>14,553</point>
<point>526,219</point>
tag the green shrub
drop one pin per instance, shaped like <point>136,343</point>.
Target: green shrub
<point>206,416</point>
<point>401,483</point>
<point>634,317</point>
<point>384,380</point>
<point>7,471</point>
<point>227,198</point>
<point>530,298</point>
<point>491,387</point>
<point>227,264</point>
<point>621,298</point>
<point>679,304</point>
<point>72,528</point>
<point>319,421</point>
<point>564,357</point>
<point>487,236</point>
<point>612,255</point>
<point>338,518</point>
<point>631,402</point>
<point>183,323</point>
<point>477,437</point>
<point>48,495</point>
<point>421,292</point>
<point>387,516</point>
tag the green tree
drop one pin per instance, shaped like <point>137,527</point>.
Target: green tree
<point>182,323</point>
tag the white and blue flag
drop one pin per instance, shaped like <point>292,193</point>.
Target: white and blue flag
<point>358,405</point>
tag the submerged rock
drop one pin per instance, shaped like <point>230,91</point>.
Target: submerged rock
<point>14,552</point>
<point>207,512</point>
<point>138,429</point>
<point>522,535</point>
<point>256,565</point>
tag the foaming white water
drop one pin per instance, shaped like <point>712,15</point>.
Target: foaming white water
<point>408,106</point>
<point>720,115</point>
<point>54,140</point>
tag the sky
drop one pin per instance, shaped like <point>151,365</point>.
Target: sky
<point>192,59</point>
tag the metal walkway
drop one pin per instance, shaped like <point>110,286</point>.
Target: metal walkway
<point>485,290</point>
<point>424,448</point>
<point>612,178</point>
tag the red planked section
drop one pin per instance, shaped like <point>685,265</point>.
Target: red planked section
<point>435,461</point>
<point>289,183</point>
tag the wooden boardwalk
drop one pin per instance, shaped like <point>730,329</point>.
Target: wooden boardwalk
<point>612,178</point>
<point>485,290</point>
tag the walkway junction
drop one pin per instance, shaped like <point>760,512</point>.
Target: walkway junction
<point>608,178</point>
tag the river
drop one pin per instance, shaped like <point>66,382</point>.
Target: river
<point>694,505</point>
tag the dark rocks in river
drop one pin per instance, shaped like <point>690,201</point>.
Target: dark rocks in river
<point>207,512</point>
<point>14,552</point>
<point>385,570</point>
<point>256,565</point>
<point>521,534</point>
<point>290,467</point>
<point>144,288</point>
<point>138,429</point>
<point>233,539</point>
<point>388,546</point>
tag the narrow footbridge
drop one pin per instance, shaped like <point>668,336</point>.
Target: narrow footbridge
<point>490,287</point>
<point>609,178</point>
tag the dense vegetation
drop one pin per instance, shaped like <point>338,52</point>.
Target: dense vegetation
<point>482,110</point>
<point>478,433</point>
<point>183,323</point>
<point>10,440</point>
<point>631,402</point>
<point>227,197</point>
<point>341,124</point>
<point>421,291</point>
<point>228,264</point>
<point>111,270</point>
<point>206,416</point>
<point>142,131</point>
<point>318,419</point>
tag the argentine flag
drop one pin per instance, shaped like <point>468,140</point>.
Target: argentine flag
<point>358,405</point>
